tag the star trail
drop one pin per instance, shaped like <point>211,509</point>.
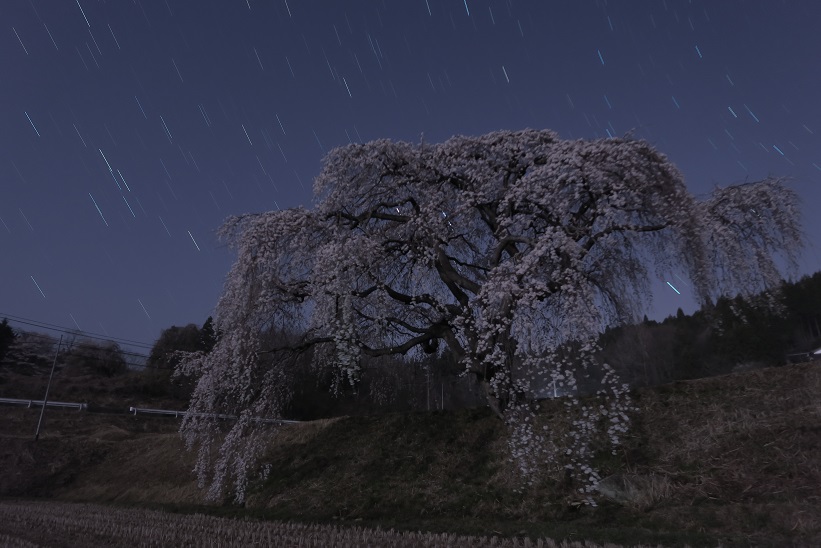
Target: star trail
<point>223,107</point>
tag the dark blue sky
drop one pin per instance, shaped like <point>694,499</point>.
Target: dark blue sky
<point>131,129</point>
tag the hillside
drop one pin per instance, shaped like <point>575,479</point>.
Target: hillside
<point>731,460</point>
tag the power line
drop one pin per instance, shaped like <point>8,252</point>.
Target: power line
<point>71,331</point>
<point>73,346</point>
<point>77,352</point>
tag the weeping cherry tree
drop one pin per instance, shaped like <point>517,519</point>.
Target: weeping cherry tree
<point>513,251</point>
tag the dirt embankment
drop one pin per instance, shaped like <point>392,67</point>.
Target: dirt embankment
<point>730,460</point>
<point>86,456</point>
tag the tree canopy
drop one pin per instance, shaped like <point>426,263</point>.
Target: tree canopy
<point>514,250</point>
<point>90,357</point>
<point>190,338</point>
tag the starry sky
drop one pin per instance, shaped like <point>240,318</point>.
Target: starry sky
<point>130,129</point>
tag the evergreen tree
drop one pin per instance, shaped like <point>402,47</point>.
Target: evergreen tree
<point>172,340</point>
<point>7,337</point>
<point>803,301</point>
<point>208,337</point>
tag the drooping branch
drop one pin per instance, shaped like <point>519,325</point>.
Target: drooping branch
<point>595,238</point>
<point>297,348</point>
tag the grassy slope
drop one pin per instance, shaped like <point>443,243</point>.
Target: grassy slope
<point>731,459</point>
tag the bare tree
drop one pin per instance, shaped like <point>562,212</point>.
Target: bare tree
<point>508,249</point>
<point>89,357</point>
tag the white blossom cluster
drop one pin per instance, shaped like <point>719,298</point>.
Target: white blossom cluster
<point>513,249</point>
<point>602,419</point>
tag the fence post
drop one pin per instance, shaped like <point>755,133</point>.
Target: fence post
<point>48,386</point>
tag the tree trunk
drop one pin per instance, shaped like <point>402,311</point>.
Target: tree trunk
<point>497,405</point>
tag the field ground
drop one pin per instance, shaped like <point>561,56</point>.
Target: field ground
<point>731,461</point>
<point>67,525</point>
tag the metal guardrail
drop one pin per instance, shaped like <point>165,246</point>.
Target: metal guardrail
<point>801,357</point>
<point>175,413</point>
<point>39,403</point>
<point>164,412</point>
<point>134,410</point>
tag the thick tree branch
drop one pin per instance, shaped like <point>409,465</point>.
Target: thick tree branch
<point>453,280</point>
<point>623,228</point>
<point>508,244</point>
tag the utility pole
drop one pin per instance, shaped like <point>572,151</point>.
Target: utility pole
<point>428,384</point>
<point>48,386</point>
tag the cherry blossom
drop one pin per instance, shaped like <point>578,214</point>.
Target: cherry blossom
<point>513,251</point>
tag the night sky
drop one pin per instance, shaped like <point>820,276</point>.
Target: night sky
<point>130,129</point>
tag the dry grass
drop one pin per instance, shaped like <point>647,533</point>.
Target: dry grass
<point>729,460</point>
<point>145,469</point>
<point>300,433</point>
<point>636,491</point>
<point>27,524</point>
<point>740,452</point>
<point>741,438</point>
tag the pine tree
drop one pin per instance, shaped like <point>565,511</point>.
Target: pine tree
<point>7,337</point>
<point>208,336</point>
